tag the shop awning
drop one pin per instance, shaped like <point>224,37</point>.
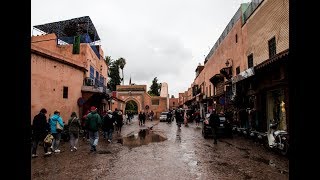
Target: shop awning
<point>243,75</point>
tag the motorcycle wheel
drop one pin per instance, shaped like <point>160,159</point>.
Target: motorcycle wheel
<point>285,149</point>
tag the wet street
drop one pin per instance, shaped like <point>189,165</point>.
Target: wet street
<point>162,153</point>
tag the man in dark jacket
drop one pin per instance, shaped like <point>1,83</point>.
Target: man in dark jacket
<point>40,128</point>
<point>93,123</point>
<point>108,126</point>
<point>214,122</point>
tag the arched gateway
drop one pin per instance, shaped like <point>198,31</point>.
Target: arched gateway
<point>137,94</point>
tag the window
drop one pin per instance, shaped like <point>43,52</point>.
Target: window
<point>214,90</point>
<point>173,103</point>
<point>209,90</point>
<point>236,38</point>
<point>272,47</point>
<point>238,70</point>
<point>155,101</point>
<point>65,92</point>
<point>91,72</point>
<point>250,60</point>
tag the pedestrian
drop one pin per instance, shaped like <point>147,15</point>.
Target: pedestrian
<point>93,121</point>
<point>151,115</point>
<point>140,117</point>
<point>119,122</point>
<point>197,118</point>
<point>74,128</point>
<point>214,122</point>
<point>108,123</point>
<point>56,118</point>
<point>144,116</point>
<point>40,130</point>
<point>179,118</point>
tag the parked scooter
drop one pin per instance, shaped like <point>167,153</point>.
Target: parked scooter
<point>278,139</point>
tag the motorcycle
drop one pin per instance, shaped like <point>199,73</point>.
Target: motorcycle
<point>278,139</point>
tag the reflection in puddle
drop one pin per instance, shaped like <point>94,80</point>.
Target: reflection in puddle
<point>143,137</point>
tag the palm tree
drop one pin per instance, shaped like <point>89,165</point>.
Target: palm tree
<point>108,60</point>
<point>122,63</point>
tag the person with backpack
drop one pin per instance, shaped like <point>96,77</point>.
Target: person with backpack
<point>74,128</point>
<point>108,123</point>
<point>93,122</point>
<point>56,133</point>
<point>40,130</point>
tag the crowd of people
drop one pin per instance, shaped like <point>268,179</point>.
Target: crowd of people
<point>47,131</point>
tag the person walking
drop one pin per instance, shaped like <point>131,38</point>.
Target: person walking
<point>93,121</point>
<point>214,122</point>
<point>179,118</point>
<point>140,117</point>
<point>119,122</point>
<point>74,128</point>
<point>40,130</point>
<point>108,126</point>
<point>56,118</point>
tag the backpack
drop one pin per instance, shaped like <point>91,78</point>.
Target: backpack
<point>48,139</point>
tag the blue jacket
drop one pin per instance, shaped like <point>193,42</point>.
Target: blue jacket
<point>53,121</point>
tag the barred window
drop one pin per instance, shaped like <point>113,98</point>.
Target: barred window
<point>65,92</point>
<point>238,70</point>
<point>250,60</point>
<point>272,47</point>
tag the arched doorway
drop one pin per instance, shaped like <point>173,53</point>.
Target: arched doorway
<point>131,106</point>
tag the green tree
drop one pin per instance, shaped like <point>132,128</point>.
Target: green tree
<point>114,75</point>
<point>122,63</point>
<point>155,88</point>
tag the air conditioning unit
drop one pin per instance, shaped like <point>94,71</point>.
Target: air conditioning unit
<point>89,82</point>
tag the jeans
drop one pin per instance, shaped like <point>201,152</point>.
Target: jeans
<point>108,134</point>
<point>36,139</point>
<point>94,137</point>
<point>56,140</point>
<point>74,139</point>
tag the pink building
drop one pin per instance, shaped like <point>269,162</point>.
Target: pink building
<point>67,73</point>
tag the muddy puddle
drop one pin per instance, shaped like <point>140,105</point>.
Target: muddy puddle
<point>143,137</point>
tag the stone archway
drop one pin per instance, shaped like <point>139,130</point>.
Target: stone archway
<point>134,102</point>
<point>131,106</point>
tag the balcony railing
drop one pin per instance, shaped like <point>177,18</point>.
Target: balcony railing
<point>96,84</point>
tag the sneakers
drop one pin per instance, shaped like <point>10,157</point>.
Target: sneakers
<point>57,151</point>
<point>47,153</point>
<point>34,155</point>
<point>109,140</point>
<point>75,148</point>
<point>93,148</point>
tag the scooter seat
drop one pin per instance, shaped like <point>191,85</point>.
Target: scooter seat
<point>280,132</point>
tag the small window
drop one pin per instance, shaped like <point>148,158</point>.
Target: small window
<point>236,38</point>
<point>155,101</point>
<point>238,70</point>
<point>65,92</point>
<point>173,103</point>
<point>272,47</point>
<point>210,90</point>
<point>214,90</point>
<point>250,60</point>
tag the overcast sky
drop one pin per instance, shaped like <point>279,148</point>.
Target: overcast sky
<point>166,39</point>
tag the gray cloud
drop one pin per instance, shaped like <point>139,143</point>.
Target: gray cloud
<point>165,39</point>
